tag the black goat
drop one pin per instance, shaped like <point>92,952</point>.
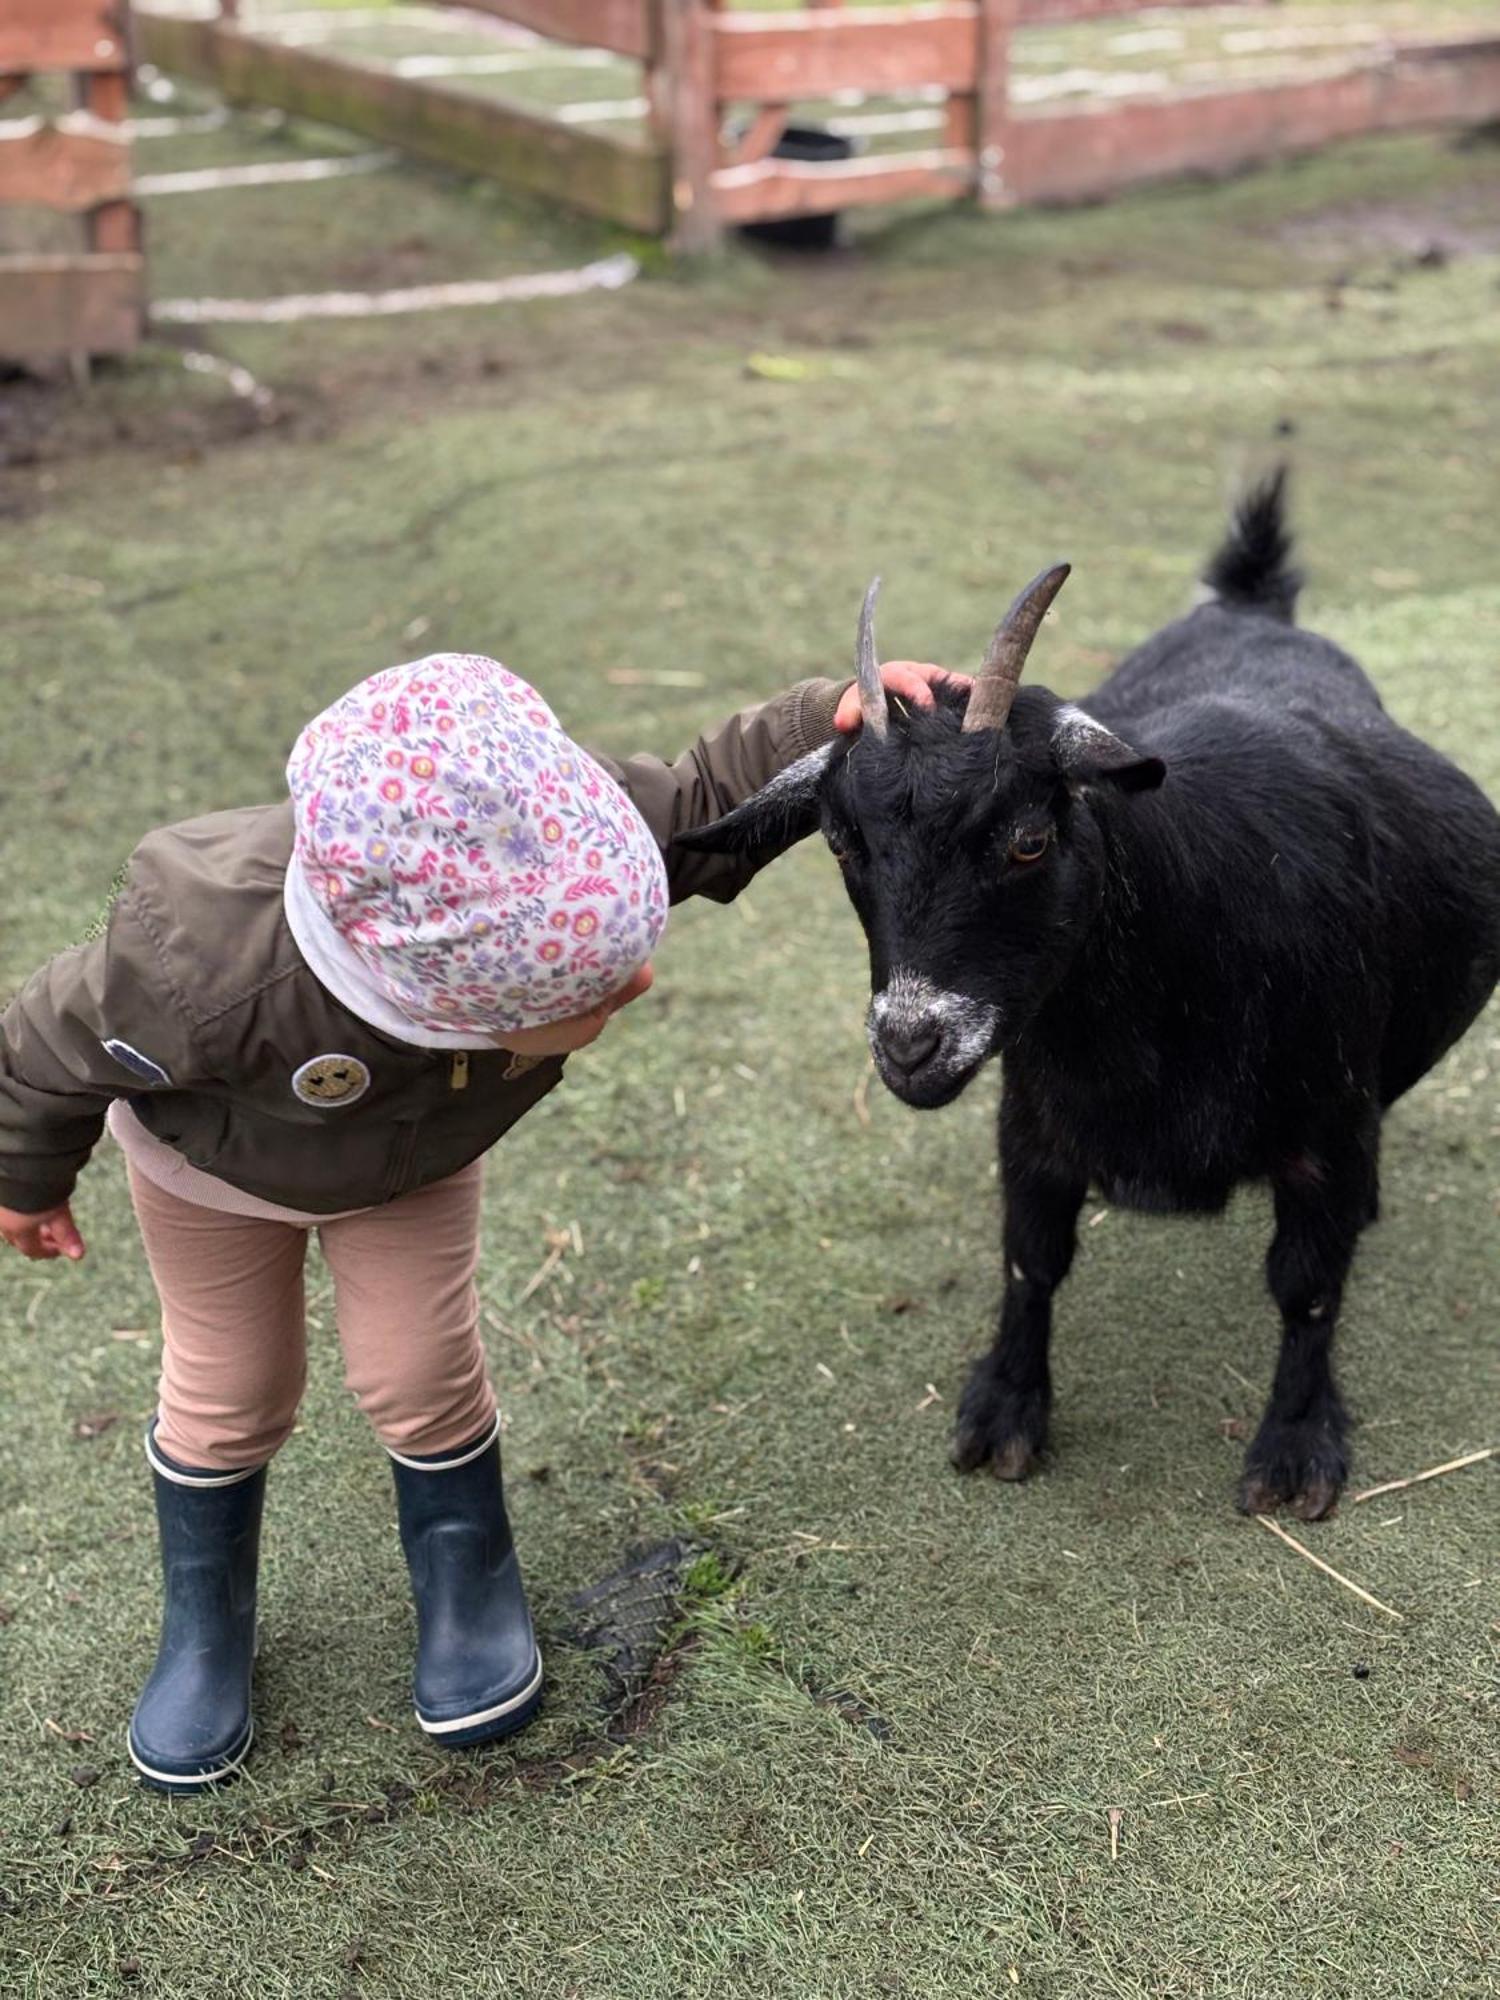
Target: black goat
<point>1214,919</point>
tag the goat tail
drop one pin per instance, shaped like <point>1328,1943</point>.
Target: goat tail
<point>1252,567</point>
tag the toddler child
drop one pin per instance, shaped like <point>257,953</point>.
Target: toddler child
<point>321,1014</point>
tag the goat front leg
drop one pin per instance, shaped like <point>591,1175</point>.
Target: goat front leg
<point>1298,1457</point>
<point>1002,1416</point>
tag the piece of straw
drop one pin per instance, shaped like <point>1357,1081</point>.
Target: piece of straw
<point>1327,1568</point>
<point>862,1097</point>
<point>540,1276</point>
<point>1433,1472</point>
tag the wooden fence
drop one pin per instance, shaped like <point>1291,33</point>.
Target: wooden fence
<point>721,83</point>
<point>68,305</point>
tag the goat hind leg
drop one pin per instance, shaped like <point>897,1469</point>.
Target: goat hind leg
<point>1298,1457</point>
<point>1002,1416</point>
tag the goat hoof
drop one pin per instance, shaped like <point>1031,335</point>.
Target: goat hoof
<point>1313,1502</point>
<point>1013,1460</point>
<point>1316,1501</point>
<point>968,1451</point>
<point>999,1427</point>
<point>1009,1457</point>
<point>1304,1474</point>
<point>1256,1497</point>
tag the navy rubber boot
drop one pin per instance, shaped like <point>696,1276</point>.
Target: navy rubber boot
<point>479,1674</point>
<point>191,1727</point>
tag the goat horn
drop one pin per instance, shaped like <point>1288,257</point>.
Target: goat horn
<point>872,706</point>
<point>997,680</point>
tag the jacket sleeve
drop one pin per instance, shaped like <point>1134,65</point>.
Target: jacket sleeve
<point>721,771</point>
<point>97,1022</point>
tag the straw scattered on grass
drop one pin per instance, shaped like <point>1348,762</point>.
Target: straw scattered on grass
<point>1417,1478</point>
<point>1327,1568</point>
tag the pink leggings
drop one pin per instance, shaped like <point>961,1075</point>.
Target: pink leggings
<point>234,1341</point>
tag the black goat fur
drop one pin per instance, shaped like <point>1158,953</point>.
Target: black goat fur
<point>1214,919</point>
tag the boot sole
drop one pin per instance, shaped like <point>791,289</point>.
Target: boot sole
<point>192,1781</point>
<point>488,1725</point>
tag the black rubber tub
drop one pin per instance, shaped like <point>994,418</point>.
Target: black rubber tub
<point>803,232</point>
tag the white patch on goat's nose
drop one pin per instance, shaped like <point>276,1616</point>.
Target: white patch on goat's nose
<point>910,1003</point>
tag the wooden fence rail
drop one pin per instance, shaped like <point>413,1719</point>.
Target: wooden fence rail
<point>619,179</point>
<point>1053,13</point>
<point>74,165</point>
<point>1078,155</point>
<point>623,26</point>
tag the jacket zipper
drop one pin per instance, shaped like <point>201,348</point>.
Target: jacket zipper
<point>458,1070</point>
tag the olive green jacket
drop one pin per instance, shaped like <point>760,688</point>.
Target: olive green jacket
<point>196,1006</point>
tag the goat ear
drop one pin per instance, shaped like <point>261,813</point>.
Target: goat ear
<point>1087,753</point>
<point>772,819</point>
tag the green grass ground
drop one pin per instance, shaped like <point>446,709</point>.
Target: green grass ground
<point>762,1337</point>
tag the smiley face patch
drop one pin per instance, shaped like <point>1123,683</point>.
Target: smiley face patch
<point>331,1081</point>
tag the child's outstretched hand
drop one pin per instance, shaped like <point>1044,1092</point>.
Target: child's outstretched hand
<point>906,680</point>
<point>51,1234</point>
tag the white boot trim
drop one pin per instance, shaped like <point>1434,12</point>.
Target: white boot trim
<point>180,1478</point>
<point>484,1714</point>
<point>447,1465</point>
<point>213,1777</point>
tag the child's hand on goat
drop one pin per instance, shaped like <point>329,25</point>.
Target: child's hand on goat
<point>906,680</point>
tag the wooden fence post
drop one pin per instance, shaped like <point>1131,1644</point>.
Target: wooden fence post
<point>993,183</point>
<point>114,226</point>
<point>685,114</point>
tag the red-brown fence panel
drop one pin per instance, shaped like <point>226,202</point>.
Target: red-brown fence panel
<point>706,61</point>
<point>67,304</point>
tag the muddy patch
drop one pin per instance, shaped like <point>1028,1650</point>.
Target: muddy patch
<point>160,400</point>
<point>1421,234</point>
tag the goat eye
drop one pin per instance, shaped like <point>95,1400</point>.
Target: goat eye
<point>1030,846</point>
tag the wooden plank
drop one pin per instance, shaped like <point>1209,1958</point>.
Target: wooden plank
<point>1080,154</point>
<point>621,25</point>
<point>53,307</point>
<point>1092,10</point>
<point>1457,48</point>
<point>778,58</point>
<point>62,34</point>
<point>686,116</point>
<point>72,165</point>
<point>764,190</point>
<point>1433,83</point>
<point>616,178</point>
